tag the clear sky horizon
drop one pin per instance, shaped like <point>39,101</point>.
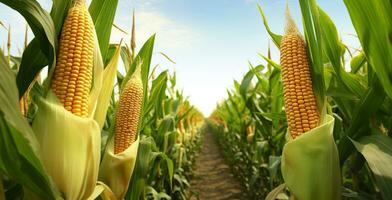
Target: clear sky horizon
<point>210,41</point>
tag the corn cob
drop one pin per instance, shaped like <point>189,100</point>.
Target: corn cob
<point>249,130</point>
<point>73,73</point>
<point>299,99</point>
<point>128,113</point>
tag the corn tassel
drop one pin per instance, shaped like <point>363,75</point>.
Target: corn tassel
<point>73,73</point>
<point>299,99</point>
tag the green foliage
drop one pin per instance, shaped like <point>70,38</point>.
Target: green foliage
<point>359,100</point>
<point>254,159</point>
<point>169,128</point>
<point>19,159</point>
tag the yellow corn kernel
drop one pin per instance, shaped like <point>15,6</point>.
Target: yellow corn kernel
<point>72,76</point>
<point>128,113</point>
<point>299,99</point>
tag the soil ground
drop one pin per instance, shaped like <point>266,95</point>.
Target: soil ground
<point>213,179</point>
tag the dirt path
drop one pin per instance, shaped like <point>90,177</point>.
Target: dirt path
<point>213,179</point>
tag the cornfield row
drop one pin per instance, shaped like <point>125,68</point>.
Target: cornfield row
<point>89,130</point>
<point>314,125</point>
<point>307,127</point>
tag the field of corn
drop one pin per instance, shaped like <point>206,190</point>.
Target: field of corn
<point>103,124</point>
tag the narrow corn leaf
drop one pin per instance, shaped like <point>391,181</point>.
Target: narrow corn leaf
<point>276,96</point>
<point>58,13</point>
<point>157,95</point>
<point>167,57</point>
<point>374,33</point>
<point>40,23</point>
<point>103,191</point>
<point>270,62</point>
<point>357,62</point>
<point>334,49</point>
<point>246,84</point>
<point>312,28</point>
<point>275,37</point>
<point>144,56</point>
<point>146,156</point>
<point>377,150</point>
<point>103,12</point>
<point>42,50</point>
<point>126,57</point>
<point>368,104</point>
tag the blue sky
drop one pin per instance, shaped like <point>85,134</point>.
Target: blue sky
<point>211,41</point>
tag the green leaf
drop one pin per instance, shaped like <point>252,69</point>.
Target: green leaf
<point>167,57</point>
<point>170,168</point>
<point>144,57</point>
<point>42,50</point>
<point>157,93</point>
<point>276,96</point>
<point>271,62</point>
<point>371,20</point>
<point>275,37</point>
<point>334,49</point>
<point>40,23</point>
<point>145,157</point>
<point>20,158</point>
<point>312,27</point>
<point>369,103</point>
<point>377,150</point>
<point>357,62</point>
<point>102,12</point>
<point>246,83</point>
<point>59,12</point>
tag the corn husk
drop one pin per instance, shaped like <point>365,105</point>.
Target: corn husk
<point>310,164</point>
<point>70,145</point>
<point>116,169</point>
<point>70,148</point>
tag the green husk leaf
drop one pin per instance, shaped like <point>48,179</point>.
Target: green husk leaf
<point>310,164</point>
<point>69,146</point>
<point>116,169</point>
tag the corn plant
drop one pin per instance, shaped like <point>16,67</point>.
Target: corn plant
<point>353,106</point>
<point>77,135</point>
<point>251,127</point>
